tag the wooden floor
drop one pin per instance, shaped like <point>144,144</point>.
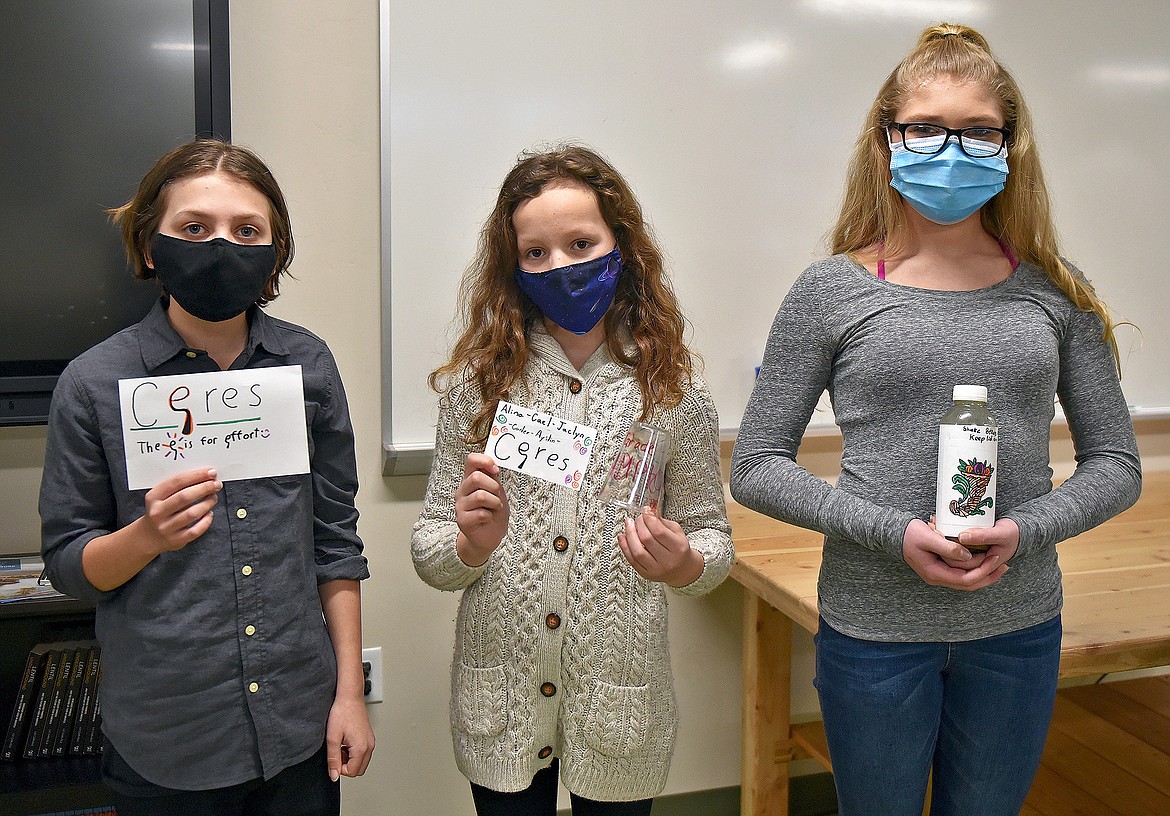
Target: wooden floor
<point>1108,752</point>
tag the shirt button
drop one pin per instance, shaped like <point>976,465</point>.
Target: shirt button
<point>247,570</point>
<point>560,543</point>
<point>253,687</point>
<point>249,630</point>
<point>552,620</point>
<point>192,355</point>
<point>548,689</point>
<point>575,386</point>
<point>545,752</point>
<point>241,513</point>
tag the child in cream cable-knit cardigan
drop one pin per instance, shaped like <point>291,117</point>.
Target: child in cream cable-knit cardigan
<point>561,658</point>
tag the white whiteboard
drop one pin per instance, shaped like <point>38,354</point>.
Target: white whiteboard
<point>733,121</point>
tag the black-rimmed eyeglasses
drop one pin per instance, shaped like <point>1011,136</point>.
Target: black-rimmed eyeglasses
<point>922,137</point>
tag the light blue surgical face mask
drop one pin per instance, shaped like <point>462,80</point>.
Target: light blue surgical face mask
<point>947,186</point>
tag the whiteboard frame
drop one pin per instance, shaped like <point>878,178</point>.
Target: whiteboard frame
<point>397,460</point>
<point>414,457</point>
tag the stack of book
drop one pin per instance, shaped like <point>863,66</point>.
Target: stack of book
<point>56,711</point>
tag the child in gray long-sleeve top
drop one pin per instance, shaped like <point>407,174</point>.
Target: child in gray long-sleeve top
<point>945,271</point>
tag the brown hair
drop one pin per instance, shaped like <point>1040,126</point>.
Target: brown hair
<point>495,315</point>
<point>139,218</point>
<point>1020,215</point>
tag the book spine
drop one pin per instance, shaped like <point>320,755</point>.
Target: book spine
<point>85,702</point>
<point>60,683</point>
<point>25,700</point>
<point>36,729</point>
<point>93,731</point>
<point>69,704</point>
<point>93,737</point>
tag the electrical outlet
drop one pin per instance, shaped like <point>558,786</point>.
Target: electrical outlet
<point>372,668</point>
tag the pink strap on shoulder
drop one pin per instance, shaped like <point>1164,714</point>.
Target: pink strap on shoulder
<point>1007,253</point>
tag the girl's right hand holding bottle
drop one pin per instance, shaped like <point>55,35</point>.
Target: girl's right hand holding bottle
<point>941,562</point>
<point>481,510</point>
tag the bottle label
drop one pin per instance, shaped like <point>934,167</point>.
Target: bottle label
<point>967,464</point>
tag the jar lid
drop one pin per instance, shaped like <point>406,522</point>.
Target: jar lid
<point>970,393</point>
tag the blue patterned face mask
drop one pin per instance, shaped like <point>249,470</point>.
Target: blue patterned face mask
<point>947,186</point>
<point>577,296</point>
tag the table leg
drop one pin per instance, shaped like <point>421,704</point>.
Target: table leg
<point>767,709</point>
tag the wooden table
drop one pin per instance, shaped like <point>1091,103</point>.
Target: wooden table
<point>1116,617</point>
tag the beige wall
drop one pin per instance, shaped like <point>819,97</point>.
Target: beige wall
<point>305,96</point>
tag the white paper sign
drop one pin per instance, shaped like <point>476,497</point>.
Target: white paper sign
<point>247,424</point>
<point>540,445</point>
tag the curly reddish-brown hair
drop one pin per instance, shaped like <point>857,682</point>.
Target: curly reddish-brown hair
<point>493,350</point>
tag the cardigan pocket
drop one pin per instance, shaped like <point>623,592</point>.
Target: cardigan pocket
<point>619,719</point>
<point>481,700</point>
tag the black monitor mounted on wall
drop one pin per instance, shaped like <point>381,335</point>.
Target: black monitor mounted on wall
<point>93,94</point>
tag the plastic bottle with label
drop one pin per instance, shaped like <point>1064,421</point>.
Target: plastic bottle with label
<point>968,447</point>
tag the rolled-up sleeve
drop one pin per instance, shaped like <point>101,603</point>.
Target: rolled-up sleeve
<point>337,547</point>
<point>76,500</point>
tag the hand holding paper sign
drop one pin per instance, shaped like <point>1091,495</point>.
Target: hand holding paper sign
<point>178,509</point>
<point>481,510</point>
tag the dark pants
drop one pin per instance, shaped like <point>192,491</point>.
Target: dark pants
<point>540,799</point>
<point>303,789</point>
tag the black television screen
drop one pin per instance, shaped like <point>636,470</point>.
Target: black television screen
<point>93,92</point>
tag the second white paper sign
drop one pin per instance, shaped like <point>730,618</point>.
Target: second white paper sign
<point>540,444</point>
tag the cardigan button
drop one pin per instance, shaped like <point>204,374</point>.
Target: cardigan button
<point>548,689</point>
<point>575,386</point>
<point>552,620</point>
<point>560,543</point>
<point>545,752</point>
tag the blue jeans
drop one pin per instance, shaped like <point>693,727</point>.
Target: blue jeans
<point>975,712</point>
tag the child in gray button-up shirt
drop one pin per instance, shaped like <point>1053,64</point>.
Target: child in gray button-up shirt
<point>230,637</point>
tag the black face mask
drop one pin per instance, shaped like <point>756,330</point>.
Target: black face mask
<point>213,280</point>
